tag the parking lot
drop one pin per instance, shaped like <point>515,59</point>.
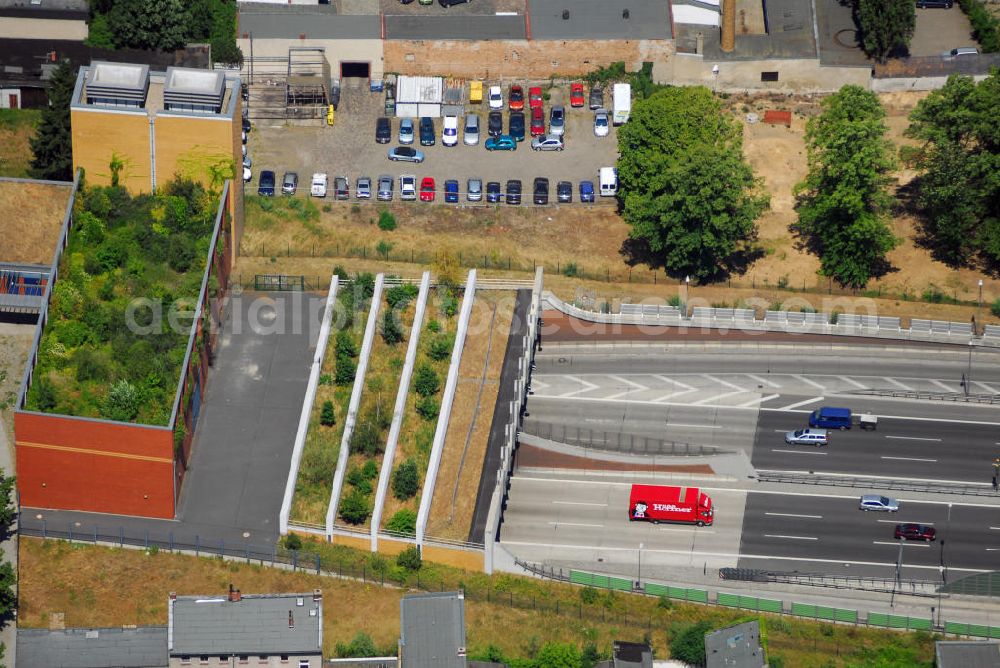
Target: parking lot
<point>349,149</point>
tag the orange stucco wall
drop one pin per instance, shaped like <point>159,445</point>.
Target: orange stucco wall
<point>100,135</point>
<point>106,467</point>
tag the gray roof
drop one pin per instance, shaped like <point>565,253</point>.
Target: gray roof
<point>734,647</point>
<point>958,654</point>
<point>432,630</point>
<point>468,26</point>
<point>144,647</point>
<point>600,19</point>
<point>257,624</point>
<point>632,655</point>
<point>791,35</point>
<point>265,21</point>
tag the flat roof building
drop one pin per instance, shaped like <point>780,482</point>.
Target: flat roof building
<point>432,630</point>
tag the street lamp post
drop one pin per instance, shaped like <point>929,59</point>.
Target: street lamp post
<point>687,287</point>
<point>638,574</point>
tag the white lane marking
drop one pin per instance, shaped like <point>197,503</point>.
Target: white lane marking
<point>695,426</point>
<point>572,393</point>
<point>575,524</point>
<point>941,385</point>
<point>994,528</point>
<point>579,503</point>
<point>537,384</point>
<point>930,524</point>
<point>860,386</point>
<point>772,535</point>
<point>796,452</point>
<point>688,530</point>
<point>673,394</point>
<point>718,397</point>
<point>900,542</point>
<point>634,387</point>
<point>801,403</point>
<point>913,438</point>
<point>810,517</point>
<point>754,402</point>
<point>672,381</point>
<point>721,382</point>
<point>985,387</point>
<point>993,549</point>
<point>808,382</point>
<point>763,381</point>
<point>909,459</point>
<point>898,384</point>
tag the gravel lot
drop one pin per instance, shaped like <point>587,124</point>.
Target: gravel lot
<point>349,149</point>
<point>940,30</point>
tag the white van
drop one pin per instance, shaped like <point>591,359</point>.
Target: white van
<point>608,179</point>
<point>318,187</point>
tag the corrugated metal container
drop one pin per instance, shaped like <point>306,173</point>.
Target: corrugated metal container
<point>406,110</point>
<point>420,89</point>
<point>432,110</point>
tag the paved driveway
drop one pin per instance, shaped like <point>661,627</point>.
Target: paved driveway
<point>940,30</point>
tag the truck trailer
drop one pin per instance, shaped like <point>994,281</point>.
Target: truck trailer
<point>660,503</point>
<point>622,94</point>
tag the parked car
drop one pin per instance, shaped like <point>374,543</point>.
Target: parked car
<point>547,143</point>
<point>427,189</point>
<point>878,502</point>
<point>808,437</point>
<point>960,52</point>
<point>474,190</point>
<point>501,143</point>
<point>564,191</point>
<point>586,191</point>
<point>406,154</point>
<point>535,97</point>
<point>596,98</point>
<point>341,188</point>
<point>540,191</point>
<point>910,531</point>
<point>247,174</point>
<point>493,191</point>
<point>494,124</point>
<point>364,188</point>
<point>515,99</point>
<point>602,124</point>
<point>471,129</point>
<point>449,131</point>
<point>537,122</point>
<point>451,191</point>
<point>451,3</point>
<point>496,97</point>
<point>515,125</point>
<point>408,187</point>
<point>514,191</point>
<point>576,95</point>
<point>289,183</point>
<point>557,120</point>
<point>246,124</point>
<point>935,4</point>
<point>318,187</point>
<point>384,192</point>
<point>427,136</point>
<point>406,131</point>
<point>383,130</point>
<point>265,187</point>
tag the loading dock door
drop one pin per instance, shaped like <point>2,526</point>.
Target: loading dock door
<point>349,70</point>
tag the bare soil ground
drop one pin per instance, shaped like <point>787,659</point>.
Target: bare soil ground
<point>471,416</point>
<point>37,210</point>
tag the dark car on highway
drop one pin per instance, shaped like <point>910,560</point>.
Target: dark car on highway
<point>540,191</point>
<point>427,137</point>
<point>494,124</point>
<point>515,125</point>
<point>493,192</point>
<point>383,130</point>
<point>514,191</point>
<point>915,532</point>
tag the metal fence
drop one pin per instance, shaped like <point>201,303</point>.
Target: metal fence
<point>869,482</point>
<point>633,444</point>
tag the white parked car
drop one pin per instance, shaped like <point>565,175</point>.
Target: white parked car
<point>496,97</point>
<point>449,133</point>
<point>408,187</point>
<point>364,188</point>
<point>601,122</point>
<point>318,187</point>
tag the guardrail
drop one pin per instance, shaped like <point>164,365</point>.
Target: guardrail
<point>910,587</point>
<point>870,482</point>
<point>616,441</point>
<point>933,396</point>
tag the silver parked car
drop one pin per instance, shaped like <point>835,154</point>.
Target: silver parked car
<point>471,137</point>
<point>406,131</point>
<point>475,190</point>
<point>364,188</point>
<point>557,120</point>
<point>878,502</point>
<point>385,188</point>
<point>547,143</point>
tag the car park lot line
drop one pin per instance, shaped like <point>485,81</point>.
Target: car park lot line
<point>913,438</point>
<point>771,535</point>
<point>796,405</point>
<point>908,459</point>
<point>902,542</point>
<point>810,517</point>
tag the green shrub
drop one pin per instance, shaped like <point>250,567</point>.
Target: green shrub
<point>910,156</point>
<point>386,221</point>
<point>370,470</point>
<point>365,284</point>
<point>588,595</point>
<point>433,326</point>
<point>354,508</point>
<point>985,26</point>
<point>346,346</point>
<point>291,542</point>
<point>367,438</point>
<point>392,333</point>
<point>428,408</point>
<point>403,522</point>
<point>361,646</point>
<point>440,347</point>
<point>995,308</point>
<point>327,417</point>
<point>689,644</point>
<point>398,296</point>
<point>383,248</point>
<point>123,402</point>
<point>405,480</point>
<point>409,559</point>
<point>426,381</point>
<point>325,379</point>
<point>345,370</point>
<point>570,270</point>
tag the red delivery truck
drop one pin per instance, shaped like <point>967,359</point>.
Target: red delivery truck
<point>659,503</point>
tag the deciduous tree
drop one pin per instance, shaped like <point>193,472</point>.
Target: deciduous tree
<point>149,24</point>
<point>886,26</point>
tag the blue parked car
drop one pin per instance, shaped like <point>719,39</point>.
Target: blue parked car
<point>586,191</point>
<point>493,195</point>
<point>501,143</point>
<point>451,191</point>
<point>265,186</point>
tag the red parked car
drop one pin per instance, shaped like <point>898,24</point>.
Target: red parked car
<point>576,95</point>
<point>537,122</point>
<point>516,98</point>
<point>535,97</point>
<point>915,532</point>
<point>427,189</point>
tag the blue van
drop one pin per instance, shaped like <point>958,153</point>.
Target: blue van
<point>831,418</point>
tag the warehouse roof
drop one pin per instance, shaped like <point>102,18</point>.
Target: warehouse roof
<point>266,21</point>
<point>432,630</point>
<point>144,647</point>
<point>600,19</point>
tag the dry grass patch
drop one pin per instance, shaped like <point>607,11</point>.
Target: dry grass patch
<point>462,459</point>
<point>38,209</point>
<point>17,127</point>
<point>15,344</point>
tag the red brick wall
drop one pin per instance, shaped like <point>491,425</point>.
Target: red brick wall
<point>106,467</point>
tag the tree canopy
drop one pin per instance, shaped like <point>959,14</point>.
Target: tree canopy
<point>52,145</point>
<point>886,26</point>
<point>688,195</point>
<point>843,204</point>
<point>958,189</point>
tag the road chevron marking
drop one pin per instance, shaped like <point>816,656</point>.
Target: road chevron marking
<point>572,393</point>
<point>801,403</point>
<point>721,382</point>
<point>754,402</point>
<point>673,381</point>
<point>717,397</point>
<point>805,380</point>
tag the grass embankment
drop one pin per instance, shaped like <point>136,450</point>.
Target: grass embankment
<point>375,412</point>
<point>471,416</point>
<point>333,395</point>
<point>107,587</point>
<point>423,405</point>
<point>17,127</point>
